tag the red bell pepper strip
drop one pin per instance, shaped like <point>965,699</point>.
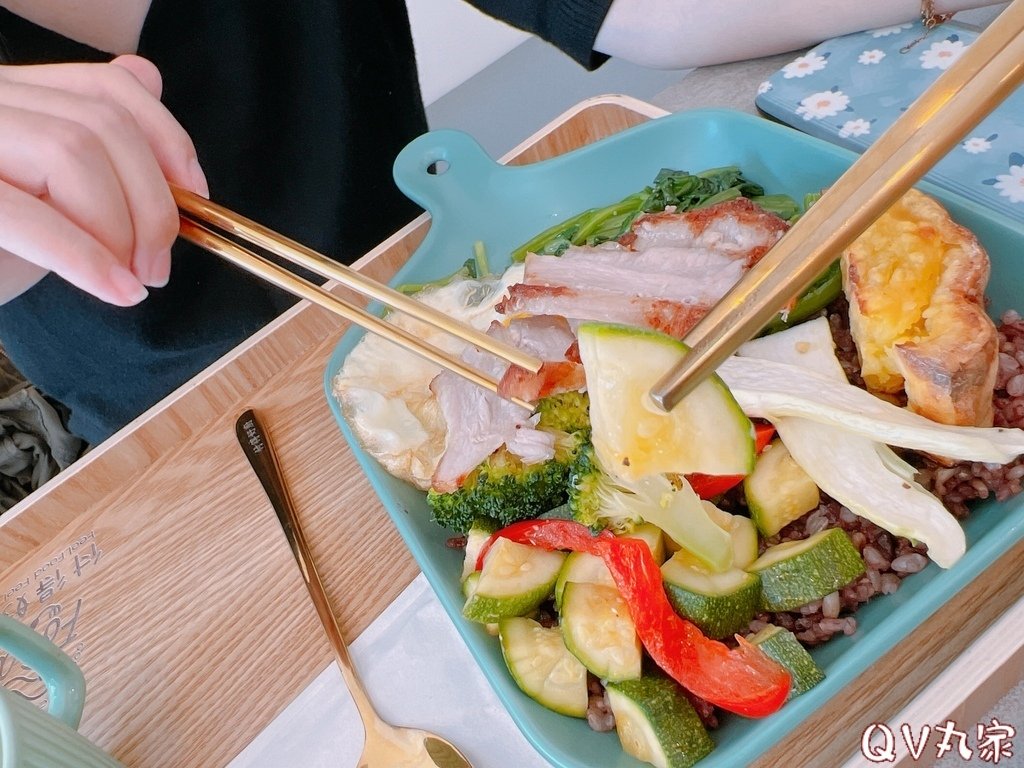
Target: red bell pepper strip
<point>743,680</point>
<point>709,486</point>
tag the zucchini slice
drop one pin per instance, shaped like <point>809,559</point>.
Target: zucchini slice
<point>478,534</point>
<point>707,432</point>
<point>721,604</point>
<point>778,491</point>
<point>742,532</point>
<point>515,579</point>
<point>795,573</point>
<point>542,666</point>
<point>657,724</point>
<point>782,645</point>
<point>582,568</point>
<point>469,584</point>
<point>652,535</point>
<point>744,541</point>
<point>598,630</point>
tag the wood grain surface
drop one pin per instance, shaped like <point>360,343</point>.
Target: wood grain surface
<point>158,564</point>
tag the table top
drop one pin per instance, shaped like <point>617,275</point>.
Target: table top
<point>157,562</point>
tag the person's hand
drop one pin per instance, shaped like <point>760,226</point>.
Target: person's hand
<point>86,154</point>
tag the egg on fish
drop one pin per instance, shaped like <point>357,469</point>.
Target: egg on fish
<point>916,283</point>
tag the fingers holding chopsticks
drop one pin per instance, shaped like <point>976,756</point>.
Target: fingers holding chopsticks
<point>134,84</point>
<point>87,154</point>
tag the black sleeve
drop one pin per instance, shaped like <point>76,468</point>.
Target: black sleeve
<point>22,42</point>
<point>571,25</point>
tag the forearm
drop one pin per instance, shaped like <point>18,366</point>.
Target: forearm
<point>675,34</point>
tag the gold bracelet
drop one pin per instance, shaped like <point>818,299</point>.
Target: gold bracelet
<point>930,18</point>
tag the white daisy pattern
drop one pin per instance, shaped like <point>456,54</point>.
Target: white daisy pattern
<point>1011,184</point>
<point>805,65</point>
<point>858,127</point>
<point>942,54</point>
<point>823,104</point>
<point>978,144</point>
<point>886,31</point>
<point>879,74</point>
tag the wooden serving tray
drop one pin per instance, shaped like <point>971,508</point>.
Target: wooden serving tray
<point>157,562</point>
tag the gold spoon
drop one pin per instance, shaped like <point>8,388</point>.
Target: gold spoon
<point>386,746</point>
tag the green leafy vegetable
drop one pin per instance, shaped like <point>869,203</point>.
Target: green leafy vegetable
<point>483,269</point>
<point>468,271</point>
<point>783,206</point>
<point>823,291</point>
<point>475,268</point>
<point>686,191</point>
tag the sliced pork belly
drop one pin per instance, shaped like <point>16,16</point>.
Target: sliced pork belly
<point>551,379</point>
<point>546,338</point>
<point>671,317</point>
<point>683,275</point>
<point>550,339</point>
<point>483,420</point>
<point>738,228</point>
<point>677,259</point>
<point>665,274</point>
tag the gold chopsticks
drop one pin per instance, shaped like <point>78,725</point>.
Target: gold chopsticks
<point>198,216</point>
<point>986,73</point>
<point>205,211</point>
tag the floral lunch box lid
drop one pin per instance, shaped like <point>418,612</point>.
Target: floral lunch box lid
<point>850,89</point>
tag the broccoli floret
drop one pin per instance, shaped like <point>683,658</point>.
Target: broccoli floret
<point>506,489</point>
<point>502,488</point>
<point>597,501</point>
<point>565,412</point>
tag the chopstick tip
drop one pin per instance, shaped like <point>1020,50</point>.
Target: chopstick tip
<point>661,399</point>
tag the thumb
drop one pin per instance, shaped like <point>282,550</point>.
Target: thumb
<point>144,70</point>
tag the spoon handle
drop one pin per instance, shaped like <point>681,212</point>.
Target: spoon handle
<point>260,453</point>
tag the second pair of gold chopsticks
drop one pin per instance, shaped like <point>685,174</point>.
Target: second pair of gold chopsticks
<point>199,217</point>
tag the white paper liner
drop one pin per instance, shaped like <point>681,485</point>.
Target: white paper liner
<point>419,673</point>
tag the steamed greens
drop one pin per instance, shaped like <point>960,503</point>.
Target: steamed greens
<point>681,190</point>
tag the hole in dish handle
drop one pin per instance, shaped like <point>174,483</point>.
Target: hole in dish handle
<point>443,169</point>
<point>438,167</point>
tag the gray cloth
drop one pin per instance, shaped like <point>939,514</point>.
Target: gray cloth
<point>34,445</point>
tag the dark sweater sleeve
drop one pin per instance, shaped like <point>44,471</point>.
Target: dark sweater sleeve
<point>22,42</point>
<point>570,25</point>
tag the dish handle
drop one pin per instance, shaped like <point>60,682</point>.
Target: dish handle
<point>447,170</point>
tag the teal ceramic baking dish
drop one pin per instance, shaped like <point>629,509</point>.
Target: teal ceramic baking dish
<point>475,199</point>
